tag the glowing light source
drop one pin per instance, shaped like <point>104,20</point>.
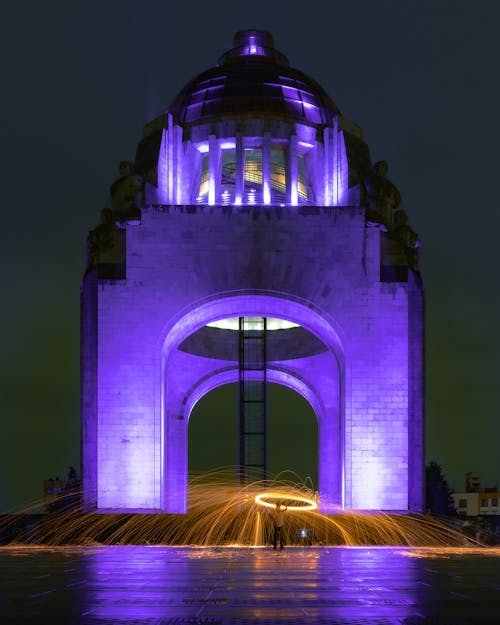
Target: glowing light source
<point>266,193</point>
<point>252,48</point>
<point>304,503</point>
<point>252,197</point>
<point>232,323</point>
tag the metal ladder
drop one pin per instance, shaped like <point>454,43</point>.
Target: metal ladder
<point>252,399</point>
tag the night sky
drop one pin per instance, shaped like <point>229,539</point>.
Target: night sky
<point>81,79</point>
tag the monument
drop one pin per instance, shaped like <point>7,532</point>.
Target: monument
<point>252,241</point>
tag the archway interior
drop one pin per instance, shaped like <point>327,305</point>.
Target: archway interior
<point>292,433</point>
<point>198,358</point>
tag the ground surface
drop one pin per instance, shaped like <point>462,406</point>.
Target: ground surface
<point>218,586</point>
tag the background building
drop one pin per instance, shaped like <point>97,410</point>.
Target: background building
<point>252,199</point>
<point>477,501</point>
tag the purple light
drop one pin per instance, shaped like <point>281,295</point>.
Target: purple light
<point>164,186</point>
<point>211,189</point>
<point>157,582</point>
<point>252,48</point>
<point>186,266</point>
<point>326,371</point>
<point>340,173</point>
<point>290,93</point>
<point>177,167</point>
<point>358,387</point>
<point>252,197</point>
<point>171,165</point>
<point>266,192</point>
<point>336,168</point>
<point>213,168</point>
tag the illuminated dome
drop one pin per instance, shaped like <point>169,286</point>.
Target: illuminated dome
<point>252,131</point>
<point>253,79</point>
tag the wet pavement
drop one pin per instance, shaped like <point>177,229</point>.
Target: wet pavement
<point>217,586</point>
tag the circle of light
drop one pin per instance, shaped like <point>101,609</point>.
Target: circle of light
<point>310,503</point>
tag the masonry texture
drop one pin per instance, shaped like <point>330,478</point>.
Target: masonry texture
<point>213,228</point>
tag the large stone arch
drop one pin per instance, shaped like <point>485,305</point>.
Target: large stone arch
<point>328,402</point>
<point>274,375</point>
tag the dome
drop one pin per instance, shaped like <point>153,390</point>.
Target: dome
<point>252,131</point>
<point>253,79</point>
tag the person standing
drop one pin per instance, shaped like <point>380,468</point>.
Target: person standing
<point>279,522</point>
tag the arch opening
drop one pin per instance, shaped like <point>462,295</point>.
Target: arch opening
<point>256,303</point>
<point>318,376</point>
<point>292,434</point>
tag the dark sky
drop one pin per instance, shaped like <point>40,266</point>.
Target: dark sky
<point>80,80</point>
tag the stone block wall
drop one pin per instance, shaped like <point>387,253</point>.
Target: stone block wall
<point>186,265</point>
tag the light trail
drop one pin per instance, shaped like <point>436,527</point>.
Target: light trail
<point>306,503</point>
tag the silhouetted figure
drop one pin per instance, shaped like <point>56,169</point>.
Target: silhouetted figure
<point>279,522</point>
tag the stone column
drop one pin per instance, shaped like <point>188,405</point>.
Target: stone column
<point>292,172</point>
<point>213,169</point>
<point>327,171</point>
<point>239,170</point>
<point>266,168</point>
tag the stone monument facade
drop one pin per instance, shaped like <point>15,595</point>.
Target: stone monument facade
<point>252,196</point>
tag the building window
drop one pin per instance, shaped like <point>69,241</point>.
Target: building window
<point>253,176</point>
<point>278,179</point>
<point>494,502</point>
<point>276,191</point>
<point>228,176</point>
<point>462,503</point>
<point>302,186</point>
<point>484,503</point>
<point>203,190</point>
